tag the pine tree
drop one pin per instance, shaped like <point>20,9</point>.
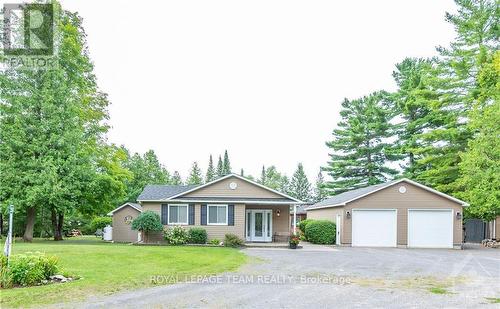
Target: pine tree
<point>262,179</point>
<point>476,25</point>
<point>412,102</point>
<point>195,175</point>
<point>359,151</point>
<point>210,171</point>
<point>176,179</point>
<point>300,187</point>
<point>319,190</point>
<point>242,173</point>
<point>220,168</point>
<point>226,167</point>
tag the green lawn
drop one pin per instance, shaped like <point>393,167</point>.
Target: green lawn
<point>107,268</point>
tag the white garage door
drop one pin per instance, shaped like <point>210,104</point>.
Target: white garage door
<point>374,228</point>
<point>430,228</point>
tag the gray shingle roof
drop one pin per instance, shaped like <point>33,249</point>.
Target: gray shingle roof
<point>349,195</point>
<point>136,206</point>
<point>159,192</point>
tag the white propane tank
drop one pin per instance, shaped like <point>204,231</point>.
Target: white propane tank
<point>108,233</point>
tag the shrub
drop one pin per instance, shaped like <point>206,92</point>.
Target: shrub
<point>100,223</point>
<point>303,224</point>
<point>214,241</point>
<point>148,221</point>
<point>321,232</point>
<point>176,235</point>
<point>231,240</point>
<point>197,235</point>
<point>31,268</point>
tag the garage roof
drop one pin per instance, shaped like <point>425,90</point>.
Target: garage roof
<point>349,196</point>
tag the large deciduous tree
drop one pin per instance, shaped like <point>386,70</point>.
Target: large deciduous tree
<point>52,123</point>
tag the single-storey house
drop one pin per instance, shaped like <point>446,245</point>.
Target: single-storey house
<point>231,204</point>
<point>399,213</point>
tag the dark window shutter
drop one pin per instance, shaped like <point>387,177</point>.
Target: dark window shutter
<point>203,214</point>
<point>230,214</point>
<point>191,214</point>
<point>164,214</point>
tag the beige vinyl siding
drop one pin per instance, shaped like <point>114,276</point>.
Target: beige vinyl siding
<point>281,224</point>
<point>244,189</point>
<point>123,232</point>
<point>327,214</point>
<point>414,198</point>
<point>213,231</point>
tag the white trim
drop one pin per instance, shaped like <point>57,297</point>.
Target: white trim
<point>217,205</point>
<point>250,213</point>
<point>226,177</point>
<point>452,211</point>
<point>464,204</point>
<point>126,204</point>
<point>178,223</point>
<point>228,202</point>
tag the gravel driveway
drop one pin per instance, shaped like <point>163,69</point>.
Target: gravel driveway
<point>341,277</point>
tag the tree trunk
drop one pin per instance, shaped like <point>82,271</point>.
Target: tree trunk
<point>30,224</point>
<point>57,224</point>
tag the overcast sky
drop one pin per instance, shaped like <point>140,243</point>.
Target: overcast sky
<point>262,79</point>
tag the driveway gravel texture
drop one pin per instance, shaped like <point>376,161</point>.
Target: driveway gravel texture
<point>332,277</point>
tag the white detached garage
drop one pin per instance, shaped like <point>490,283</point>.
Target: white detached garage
<point>399,213</point>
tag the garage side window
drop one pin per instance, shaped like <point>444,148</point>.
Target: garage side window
<point>178,214</point>
<point>217,214</point>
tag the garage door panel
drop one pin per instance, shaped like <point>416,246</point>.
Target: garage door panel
<point>430,228</point>
<point>374,228</point>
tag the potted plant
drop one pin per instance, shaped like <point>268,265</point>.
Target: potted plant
<point>294,241</point>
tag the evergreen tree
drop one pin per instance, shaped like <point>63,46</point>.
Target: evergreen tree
<point>176,179</point>
<point>319,190</point>
<point>210,171</point>
<point>359,150</point>
<point>195,176</point>
<point>242,173</point>
<point>220,168</point>
<point>412,103</point>
<point>476,25</point>
<point>226,167</point>
<point>300,187</point>
<point>263,175</point>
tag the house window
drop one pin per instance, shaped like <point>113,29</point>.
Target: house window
<point>178,214</point>
<point>217,214</point>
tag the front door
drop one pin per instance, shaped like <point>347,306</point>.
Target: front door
<point>259,225</point>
